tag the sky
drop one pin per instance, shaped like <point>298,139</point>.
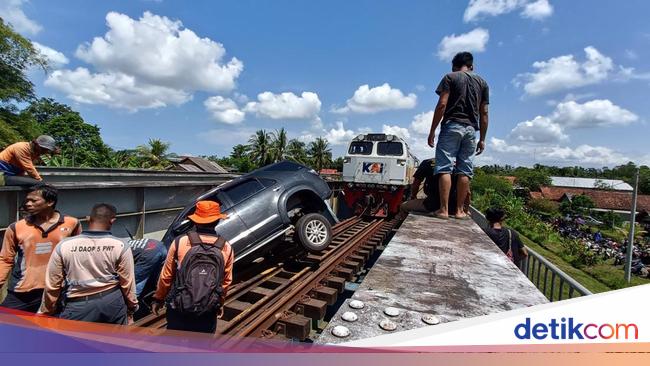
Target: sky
<point>568,85</point>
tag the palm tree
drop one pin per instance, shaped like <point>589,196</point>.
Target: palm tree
<point>297,151</point>
<point>259,148</point>
<point>320,153</point>
<point>279,144</point>
<point>154,154</point>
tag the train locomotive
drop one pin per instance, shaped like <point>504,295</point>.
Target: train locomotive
<point>377,174</point>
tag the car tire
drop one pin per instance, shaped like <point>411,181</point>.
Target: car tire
<point>314,232</point>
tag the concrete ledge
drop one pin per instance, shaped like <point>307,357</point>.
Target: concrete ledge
<point>446,268</point>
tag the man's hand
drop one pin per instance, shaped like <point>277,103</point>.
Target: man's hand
<point>220,314</point>
<point>431,139</point>
<point>480,147</point>
<point>156,306</point>
<point>129,319</point>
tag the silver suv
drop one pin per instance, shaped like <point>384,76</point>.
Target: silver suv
<point>264,205</point>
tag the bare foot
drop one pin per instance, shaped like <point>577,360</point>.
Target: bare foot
<point>441,214</point>
<point>461,216</point>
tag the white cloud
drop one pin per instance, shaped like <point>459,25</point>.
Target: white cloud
<point>631,54</point>
<point>54,58</point>
<point>564,72</point>
<point>114,90</point>
<point>594,113</point>
<point>477,9</point>
<point>630,73</point>
<point>380,98</point>
<point>11,12</point>
<point>473,41</point>
<point>537,10</point>
<point>153,52</point>
<point>339,135</point>
<point>421,123</point>
<point>286,105</point>
<point>224,110</point>
<point>397,131</point>
<point>538,130</point>
<point>571,114</point>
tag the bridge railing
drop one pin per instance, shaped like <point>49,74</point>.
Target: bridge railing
<point>147,201</point>
<point>548,278</point>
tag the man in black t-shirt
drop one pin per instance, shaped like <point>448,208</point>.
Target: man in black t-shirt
<point>462,109</point>
<point>506,239</point>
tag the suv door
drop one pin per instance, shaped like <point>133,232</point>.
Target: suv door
<point>255,200</point>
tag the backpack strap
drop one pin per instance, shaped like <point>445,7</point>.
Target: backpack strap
<point>220,242</point>
<point>194,237</point>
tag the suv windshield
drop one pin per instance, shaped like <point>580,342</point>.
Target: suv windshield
<point>390,148</point>
<point>360,148</point>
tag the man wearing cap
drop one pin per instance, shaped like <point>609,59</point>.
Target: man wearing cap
<point>18,159</point>
<point>206,216</point>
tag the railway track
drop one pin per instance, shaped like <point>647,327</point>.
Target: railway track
<point>286,299</point>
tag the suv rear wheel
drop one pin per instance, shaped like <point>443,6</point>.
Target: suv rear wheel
<point>314,232</point>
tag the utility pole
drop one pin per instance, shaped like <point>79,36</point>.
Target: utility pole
<point>630,242</point>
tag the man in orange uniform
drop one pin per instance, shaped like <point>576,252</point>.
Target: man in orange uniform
<point>18,159</point>
<point>28,245</point>
<point>205,218</point>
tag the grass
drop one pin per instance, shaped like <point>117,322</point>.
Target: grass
<point>597,278</point>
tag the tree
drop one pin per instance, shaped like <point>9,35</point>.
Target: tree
<point>482,183</point>
<point>279,144</point>
<point>259,148</point>
<point>320,153</point>
<point>79,141</point>
<point>577,205</point>
<point>338,164</point>
<point>45,109</point>
<point>532,179</point>
<point>296,151</point>
<point>154,155</point>
<point>17,55</point>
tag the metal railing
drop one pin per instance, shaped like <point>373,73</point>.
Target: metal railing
<point>538,269</point>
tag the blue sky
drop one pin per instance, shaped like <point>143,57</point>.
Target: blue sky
<point>568,82</point>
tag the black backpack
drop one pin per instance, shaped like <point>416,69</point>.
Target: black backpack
<point>197,286</point>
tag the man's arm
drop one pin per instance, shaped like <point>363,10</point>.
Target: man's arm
<point>7,253</point>
<point>227,278</point>
<point>167,274</point>
<point>480,146</point>
<point>25,160</point>
<point>126,275</point>
<point>438,114</point>
<point>53,283</point>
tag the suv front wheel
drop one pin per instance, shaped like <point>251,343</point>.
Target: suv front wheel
<point>314,232</point>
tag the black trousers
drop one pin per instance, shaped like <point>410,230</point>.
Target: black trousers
<point>26,301</point>
<point>19,180</point>
<point>106,307</point>
<point>206,323</point>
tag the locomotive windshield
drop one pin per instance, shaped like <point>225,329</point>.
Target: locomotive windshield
<point>360,148</point>
<point>390,148</point>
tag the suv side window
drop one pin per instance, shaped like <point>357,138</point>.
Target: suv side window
<point>267,182</point>
<point>243,190</point>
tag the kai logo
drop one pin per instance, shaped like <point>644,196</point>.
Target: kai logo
<point>373,168</point>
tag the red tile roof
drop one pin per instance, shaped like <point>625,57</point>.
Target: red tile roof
<point>603,199</point>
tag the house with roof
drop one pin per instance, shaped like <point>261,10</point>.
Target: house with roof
<point>196,164</point>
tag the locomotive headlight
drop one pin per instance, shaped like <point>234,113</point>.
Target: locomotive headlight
<point>401,162</point>
<point>346,160</point>
<point>350,185</point>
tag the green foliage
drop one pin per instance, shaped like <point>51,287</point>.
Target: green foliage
<point>483,182</point>
<point>260,149</point>
<point>544,206</point>
<point>17,55</point>
<point>297,151</point>
<point>532,179</point>
<point>320,153</point>
<point>80,142</point>
<point>279,145</point>
<point>153,155</point>
<point>611,219</point>
<point>578,205</point>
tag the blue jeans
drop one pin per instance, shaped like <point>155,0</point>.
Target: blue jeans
<point>456,143</point>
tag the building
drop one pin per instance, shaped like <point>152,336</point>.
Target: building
<point>591,183</point>
<point>196,164</point>
<point>604,200</point>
